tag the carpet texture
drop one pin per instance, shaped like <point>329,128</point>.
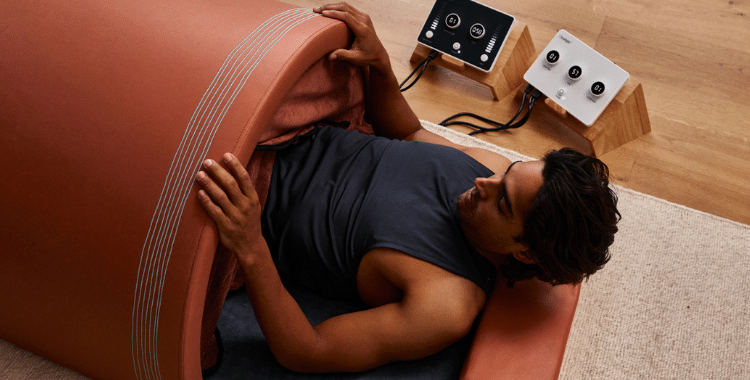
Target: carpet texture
<point>671,304</point>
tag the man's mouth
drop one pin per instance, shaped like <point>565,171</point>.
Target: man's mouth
<point>473,200</point>
<point>469,199</point>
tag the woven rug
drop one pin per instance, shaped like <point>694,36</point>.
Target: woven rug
<point>671,304</point>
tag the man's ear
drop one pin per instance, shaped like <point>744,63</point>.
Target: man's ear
<point>524,256</point>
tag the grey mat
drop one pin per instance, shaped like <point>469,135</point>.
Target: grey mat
<point>247,356</point>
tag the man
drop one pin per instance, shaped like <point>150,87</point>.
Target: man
<point>398,223</point>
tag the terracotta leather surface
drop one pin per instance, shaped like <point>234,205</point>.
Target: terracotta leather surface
<point>95,97</point>
<point>522,332</point>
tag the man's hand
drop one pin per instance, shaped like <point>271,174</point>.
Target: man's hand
<point>367,50</point>
<point>231,201</point>
<point>388,112</point>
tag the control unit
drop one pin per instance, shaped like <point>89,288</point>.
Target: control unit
<point>576,77</point>
<point>468,31</point>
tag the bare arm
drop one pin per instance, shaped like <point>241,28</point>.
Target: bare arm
<point>428,318</point>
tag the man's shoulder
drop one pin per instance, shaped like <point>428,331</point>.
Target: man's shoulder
<point>493,161</point>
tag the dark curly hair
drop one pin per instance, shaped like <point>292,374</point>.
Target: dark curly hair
<point>571,223</point>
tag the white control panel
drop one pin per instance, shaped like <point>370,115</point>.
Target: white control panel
<point>575,76</point>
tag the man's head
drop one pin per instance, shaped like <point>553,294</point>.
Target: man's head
<point>552,219</point>
<point>493,211</point>
<point>571,223</point>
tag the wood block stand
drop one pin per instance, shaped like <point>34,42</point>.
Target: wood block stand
<point>516,57</point>
<point>624,119</point>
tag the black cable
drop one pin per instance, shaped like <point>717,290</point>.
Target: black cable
<point>488,121</point>
<point>497,126</point>
<point>421,66</point>
<point>536,95</point>
<point>518,124</point>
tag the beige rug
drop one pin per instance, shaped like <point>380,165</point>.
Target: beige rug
<point>673,303</point>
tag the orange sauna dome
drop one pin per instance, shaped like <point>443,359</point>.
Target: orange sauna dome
<point>107,109</point>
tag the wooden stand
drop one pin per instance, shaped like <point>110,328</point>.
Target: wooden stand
<point>624,119</point>
<point>516,57</point>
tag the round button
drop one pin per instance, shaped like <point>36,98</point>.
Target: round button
<point>552,57</point>
<point>477,31</point>
<point>575,72</point>
<point>452,21</point>
<point>484,57</point>
<point>429,34</point>
<point>597,89</point>
<point>456,46</point>
<point>561,92</point>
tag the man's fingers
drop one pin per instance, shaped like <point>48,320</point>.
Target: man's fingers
<point>346,13</point>
<point>342,7</point>
<point>244,181</point>
<point>224,179</point>
<point>217,195</point>
<point>213,210</point>
<point>344,16</point>
<point>346,55</point>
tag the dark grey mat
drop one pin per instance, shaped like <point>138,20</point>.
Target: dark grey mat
<point>247,356</point>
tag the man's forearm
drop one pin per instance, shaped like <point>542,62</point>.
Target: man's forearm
<point>387,109</point>
<point>288,332</point>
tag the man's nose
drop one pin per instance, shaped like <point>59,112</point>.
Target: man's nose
<point>487,185</point>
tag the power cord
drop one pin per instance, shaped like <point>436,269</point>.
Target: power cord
<point>497,126</point>
<point>421,66</point>
<point>511,124</point>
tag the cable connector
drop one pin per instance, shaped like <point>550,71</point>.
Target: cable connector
<point>536,95</point>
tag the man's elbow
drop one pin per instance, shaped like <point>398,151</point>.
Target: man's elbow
<point>320,360</point>
<point>457,331</point>
<point>297,359</point>
<point>293,362</point>
<point>304,359</point>
<point>459,323</point>
<point>294,365</point>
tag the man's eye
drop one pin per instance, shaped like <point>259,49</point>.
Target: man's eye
<point>500,205</point>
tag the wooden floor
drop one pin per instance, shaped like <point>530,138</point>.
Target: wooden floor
<point>692,57</point>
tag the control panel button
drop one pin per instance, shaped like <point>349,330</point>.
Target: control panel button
<point>456,46</point>
<point>597,89</point>
<point>452,21</point>
<point>575,72</point>
<point>429,34</point>
<point>484,57</point>
<point>552,57</point>
<point>477,31</point>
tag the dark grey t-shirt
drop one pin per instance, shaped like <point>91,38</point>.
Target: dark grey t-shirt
<point>336,194</point>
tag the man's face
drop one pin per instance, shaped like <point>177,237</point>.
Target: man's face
<point>492,212</point>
